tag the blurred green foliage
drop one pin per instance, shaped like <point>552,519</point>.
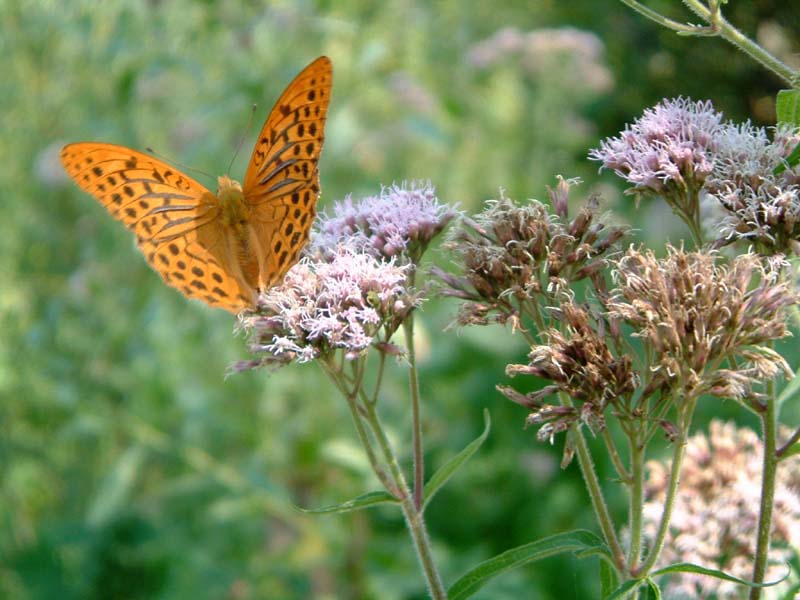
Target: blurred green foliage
<point>131,467</point>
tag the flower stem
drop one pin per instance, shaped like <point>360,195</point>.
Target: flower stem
<point>622,472</point>
<point>413,516</point>
<point>596,493</point>
<point>636,505</point>
<point>769,420</point>
<point>413,384</point>
<point>363,435</point>
<point>672,490</point>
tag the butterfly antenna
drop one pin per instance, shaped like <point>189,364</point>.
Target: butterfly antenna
<point>177,164</point>
<point>244,134</point>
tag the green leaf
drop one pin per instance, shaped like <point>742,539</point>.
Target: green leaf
<point>625,589</point>
<point>608,578</point>
<point>653,590</point>
<point>791,593</point>
<point>791,451</point>
<point>788,162</point>
<point>691,568</point>
<point>448,469</point>
<point>362,501</point>
<point>790,389</point>
<point>573,541</point>
<point>787,106</point>
<point>630,585</point>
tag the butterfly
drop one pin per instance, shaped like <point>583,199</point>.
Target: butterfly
<point>221,248</point>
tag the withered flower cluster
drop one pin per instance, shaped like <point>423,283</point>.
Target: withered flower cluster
<point>704,326</point>
<point>577,360</point>
<point>511,256</point>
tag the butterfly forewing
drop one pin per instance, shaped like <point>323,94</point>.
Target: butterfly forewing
<point>188,234</point>
<point>282,181</point>
<point>169,212</point>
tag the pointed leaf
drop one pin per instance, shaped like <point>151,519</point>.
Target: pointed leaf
<point>787,106</point>
<point>692,568</point>
<point>608,578</point>
<point>624,590</point>
<point>790,389</point>
<point>448,469</point>
<point>573,541</point>
<point>653,590</point>
<point>791,451</point>
<point>362,501</point>
<point>792,592</point>
<point>789,162</point>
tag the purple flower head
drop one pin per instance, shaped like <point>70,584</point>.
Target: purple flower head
<point>340,303</point>
<point>758,205</point>
<point>670,145</point>
<point>400,221</point>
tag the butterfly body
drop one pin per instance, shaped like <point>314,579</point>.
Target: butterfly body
<point>220,248</point>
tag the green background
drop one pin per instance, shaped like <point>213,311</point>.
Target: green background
<point>130,466</point>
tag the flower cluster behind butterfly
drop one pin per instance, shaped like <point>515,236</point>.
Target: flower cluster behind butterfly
<point>221,248</point>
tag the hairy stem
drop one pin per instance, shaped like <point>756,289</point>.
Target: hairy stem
<point>729,33</point>
<point>719,26</point>
<point>622,472</point>
<point>356,411</point>
<point>769,425</point>
<point>413,384</point>
<point>636,501</point>
<point>413,516</point>
<point>672,488</point>
<point>596,493</point>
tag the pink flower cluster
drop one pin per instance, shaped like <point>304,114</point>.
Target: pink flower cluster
<point>669,145</point>
<point>327,305</point>
<point>401,220</point>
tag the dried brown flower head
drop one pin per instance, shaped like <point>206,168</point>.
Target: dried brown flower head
<point>512,254</point>
<point>705,322</point>
<point>579,362</point>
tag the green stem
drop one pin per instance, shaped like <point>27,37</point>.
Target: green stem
<point>672,489</point>
<point>694,217</point>
<point>636,500</point>
<point>622,472</point>
<point>728,32</point>
<point>413,516</point>
<point>413,383</point>
<point>769,424</point>
<point>719,26</point>
<point>363,435</point>
<point>659,18</point>
<point>596,492</point>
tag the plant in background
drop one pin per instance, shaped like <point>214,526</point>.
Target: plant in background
<point>716,514</point>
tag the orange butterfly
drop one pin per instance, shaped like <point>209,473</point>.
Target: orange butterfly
<point>221,248</point>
